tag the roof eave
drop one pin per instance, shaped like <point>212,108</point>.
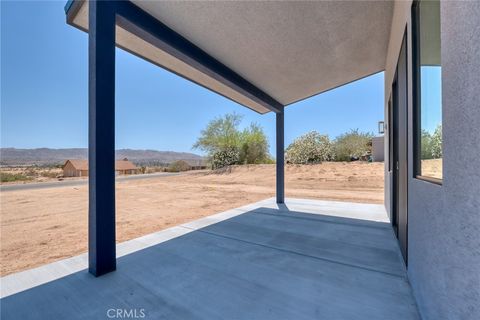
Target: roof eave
<point>202,61</point>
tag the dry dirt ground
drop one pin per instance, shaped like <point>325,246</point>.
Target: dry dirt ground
<point>432,168</point>
<point>31,174</point>
<point>44,225</point>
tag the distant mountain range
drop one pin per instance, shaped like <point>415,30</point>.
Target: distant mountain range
<point>46,156</point>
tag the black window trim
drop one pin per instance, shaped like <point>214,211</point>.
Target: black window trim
<point>416,97</point>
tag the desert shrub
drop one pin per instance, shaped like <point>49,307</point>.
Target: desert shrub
<point>225,158</point>
<point>253,145</point>
<point>49,174</point>
<point>31,172</point>
<point>269,160</point>
<point>155,169</point>
<point>426,145</point>
<point>226,144</point>
<point>12,177</point>
<point>312,147</point>
<point>178,166</point>
<point>431,144</point>
<point>352,145</point>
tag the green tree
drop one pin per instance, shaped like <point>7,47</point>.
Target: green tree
<point>225,144</point>
<point>254,145</point>
<point>221,133</point>
<point>353,144</point>
<point>436,142</point>
<point>426,145</point>
<point>311,147</point>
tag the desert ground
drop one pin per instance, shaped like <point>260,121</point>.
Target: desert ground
<point>26,174</point>
<point>39,226</point>
<point>432,168</point>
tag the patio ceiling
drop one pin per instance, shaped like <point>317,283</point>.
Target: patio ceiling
<point>287,50</point>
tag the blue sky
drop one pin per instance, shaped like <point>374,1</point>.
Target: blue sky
<point>44,93</point>
<point>431,95</point>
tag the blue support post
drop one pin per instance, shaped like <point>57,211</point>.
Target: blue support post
<point>280,156</point>
<point>101,137</point>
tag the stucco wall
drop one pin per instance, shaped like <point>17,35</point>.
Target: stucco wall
<point>444,220</point>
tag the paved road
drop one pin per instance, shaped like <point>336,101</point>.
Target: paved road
<point>70,183</point>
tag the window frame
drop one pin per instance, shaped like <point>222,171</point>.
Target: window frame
<point>416,98</point>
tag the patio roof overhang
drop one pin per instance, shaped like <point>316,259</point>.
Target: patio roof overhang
<point>263,55</point>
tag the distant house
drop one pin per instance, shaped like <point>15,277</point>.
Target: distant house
<point>79,167</point>
<point>197,164</point>
<point>75,168</point>
<point>125,166</point>
<point>378,149</point>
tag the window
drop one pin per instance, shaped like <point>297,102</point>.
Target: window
<point>427,81</point>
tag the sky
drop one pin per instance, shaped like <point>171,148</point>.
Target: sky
<point>44,93</point>
<point>431,97</point>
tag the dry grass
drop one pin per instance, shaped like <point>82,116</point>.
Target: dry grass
<point>432,168</point>
<point>29,174</point>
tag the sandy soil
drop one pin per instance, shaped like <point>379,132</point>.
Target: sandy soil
<point>45,225</point>
<point>432,168</point>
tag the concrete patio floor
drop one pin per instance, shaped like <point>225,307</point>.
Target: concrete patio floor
<point>306,259</point>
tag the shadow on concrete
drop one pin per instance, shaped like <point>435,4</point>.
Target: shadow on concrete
<point>263,264</point>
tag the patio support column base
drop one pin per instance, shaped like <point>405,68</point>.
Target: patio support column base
<point>101,138</point>
<point>280,163</point>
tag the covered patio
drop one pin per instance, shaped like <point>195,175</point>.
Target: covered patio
<point>275,259</point>
<point>262,55</point>
<point>305,259</point>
